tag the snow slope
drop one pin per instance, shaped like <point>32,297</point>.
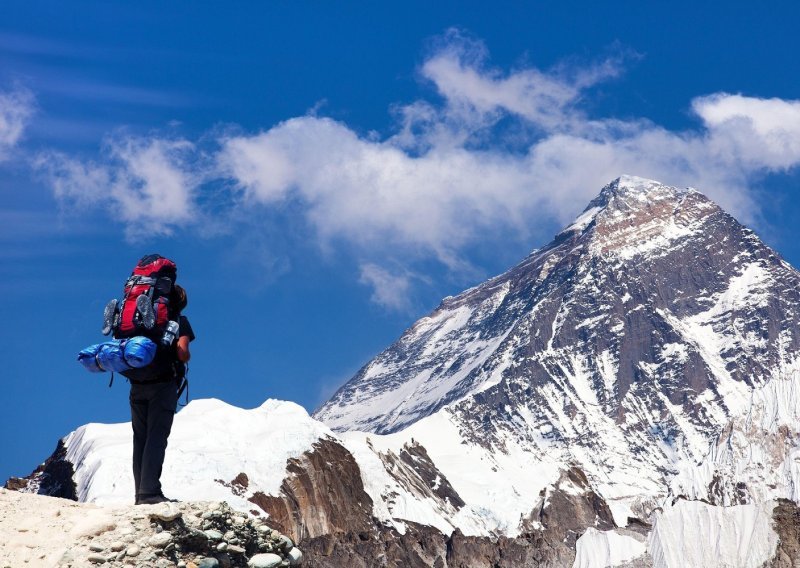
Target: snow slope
<point>210,441</point>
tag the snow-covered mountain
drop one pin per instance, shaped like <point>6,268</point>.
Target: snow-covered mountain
<point>627,395</point>
<point>626,347</point>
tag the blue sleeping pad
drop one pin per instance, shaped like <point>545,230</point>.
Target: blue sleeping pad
<point>118,355</point>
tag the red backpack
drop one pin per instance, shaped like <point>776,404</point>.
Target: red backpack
<point>145,306</point>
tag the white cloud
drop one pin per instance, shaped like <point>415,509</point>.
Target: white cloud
<point>16,107</point>
<point>460,72</point>
<point>756,133</point>
<point>441,182</point>
<point>146,183</point>
<point>390,290</point>
<point>500,153</point>
<point>374,194</point>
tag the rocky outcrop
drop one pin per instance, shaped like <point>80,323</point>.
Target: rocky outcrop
<point>42,531</point>
<point>417,473</point>
<point>786,517</point>
<point>54,477</point>
<point>322,494</point>
<point>425,547</point>
<point>568,508</point>
<point>572,506</point>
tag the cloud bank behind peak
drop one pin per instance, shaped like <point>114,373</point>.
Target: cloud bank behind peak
<point>497,152</point>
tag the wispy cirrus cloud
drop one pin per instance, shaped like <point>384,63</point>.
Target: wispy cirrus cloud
<point>390,289</point>
<point>16,108</point>
<point>452,174</point>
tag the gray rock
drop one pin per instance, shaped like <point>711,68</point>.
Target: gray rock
<point>285,543</point>
<point>213,535</point>
<point>133,550</point>
<point>160,540</point>
<point>167,513</point>
<point>94,547</point>
<point>230,535</point>
<point>268,560</point>
<point>295,557</point>
<point>117,546</point>
<point>97,559</point>
<point>222,546</point>
<point>208,563</point>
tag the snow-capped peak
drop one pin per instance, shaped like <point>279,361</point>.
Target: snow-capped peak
<point>623,197</point>
<point>619,343</point>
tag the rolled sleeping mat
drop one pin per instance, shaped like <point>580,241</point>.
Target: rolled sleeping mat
<point>118,355</point>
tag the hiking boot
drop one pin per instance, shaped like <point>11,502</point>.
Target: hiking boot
<point>109,315</point>
<point>147,315</point>
<point>154,499</point>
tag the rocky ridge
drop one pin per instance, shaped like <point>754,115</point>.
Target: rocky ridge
<point>182,535</point>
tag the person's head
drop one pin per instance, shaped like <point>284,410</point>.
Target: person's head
<point>179,298</point>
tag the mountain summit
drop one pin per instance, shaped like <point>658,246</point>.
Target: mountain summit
<point>625,345</point>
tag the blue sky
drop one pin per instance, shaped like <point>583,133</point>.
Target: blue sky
<point>324,173</point>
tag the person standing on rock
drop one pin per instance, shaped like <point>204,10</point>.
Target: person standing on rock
<point>152,311</point>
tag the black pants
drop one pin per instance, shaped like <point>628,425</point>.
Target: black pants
<point>152,410</point>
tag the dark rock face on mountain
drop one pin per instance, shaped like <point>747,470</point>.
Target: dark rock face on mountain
<point>322,494</point>
<point>572,507</point>
<point>786,517</point>
<point>54,477</point>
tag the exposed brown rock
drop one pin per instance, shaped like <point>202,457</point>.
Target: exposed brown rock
<point>426,547</point>
<point>420,546</point>
<point>322,494</point>
<point>563,520</point>
<point>565,514</point>
<point>415,471</point>
<point>238,485</point>
<point>786,522</point>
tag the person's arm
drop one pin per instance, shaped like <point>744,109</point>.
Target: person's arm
<point>183,349</point>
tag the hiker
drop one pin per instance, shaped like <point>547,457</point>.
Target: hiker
<point>154,400</point>
<point>151,349</point>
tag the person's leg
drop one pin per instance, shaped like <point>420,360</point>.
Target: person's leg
<point>161,412</point>
<point>139,405</point>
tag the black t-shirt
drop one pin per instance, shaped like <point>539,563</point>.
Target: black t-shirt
<point>185,328</point>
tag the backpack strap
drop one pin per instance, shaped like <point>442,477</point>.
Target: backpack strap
<point>184,386</point>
